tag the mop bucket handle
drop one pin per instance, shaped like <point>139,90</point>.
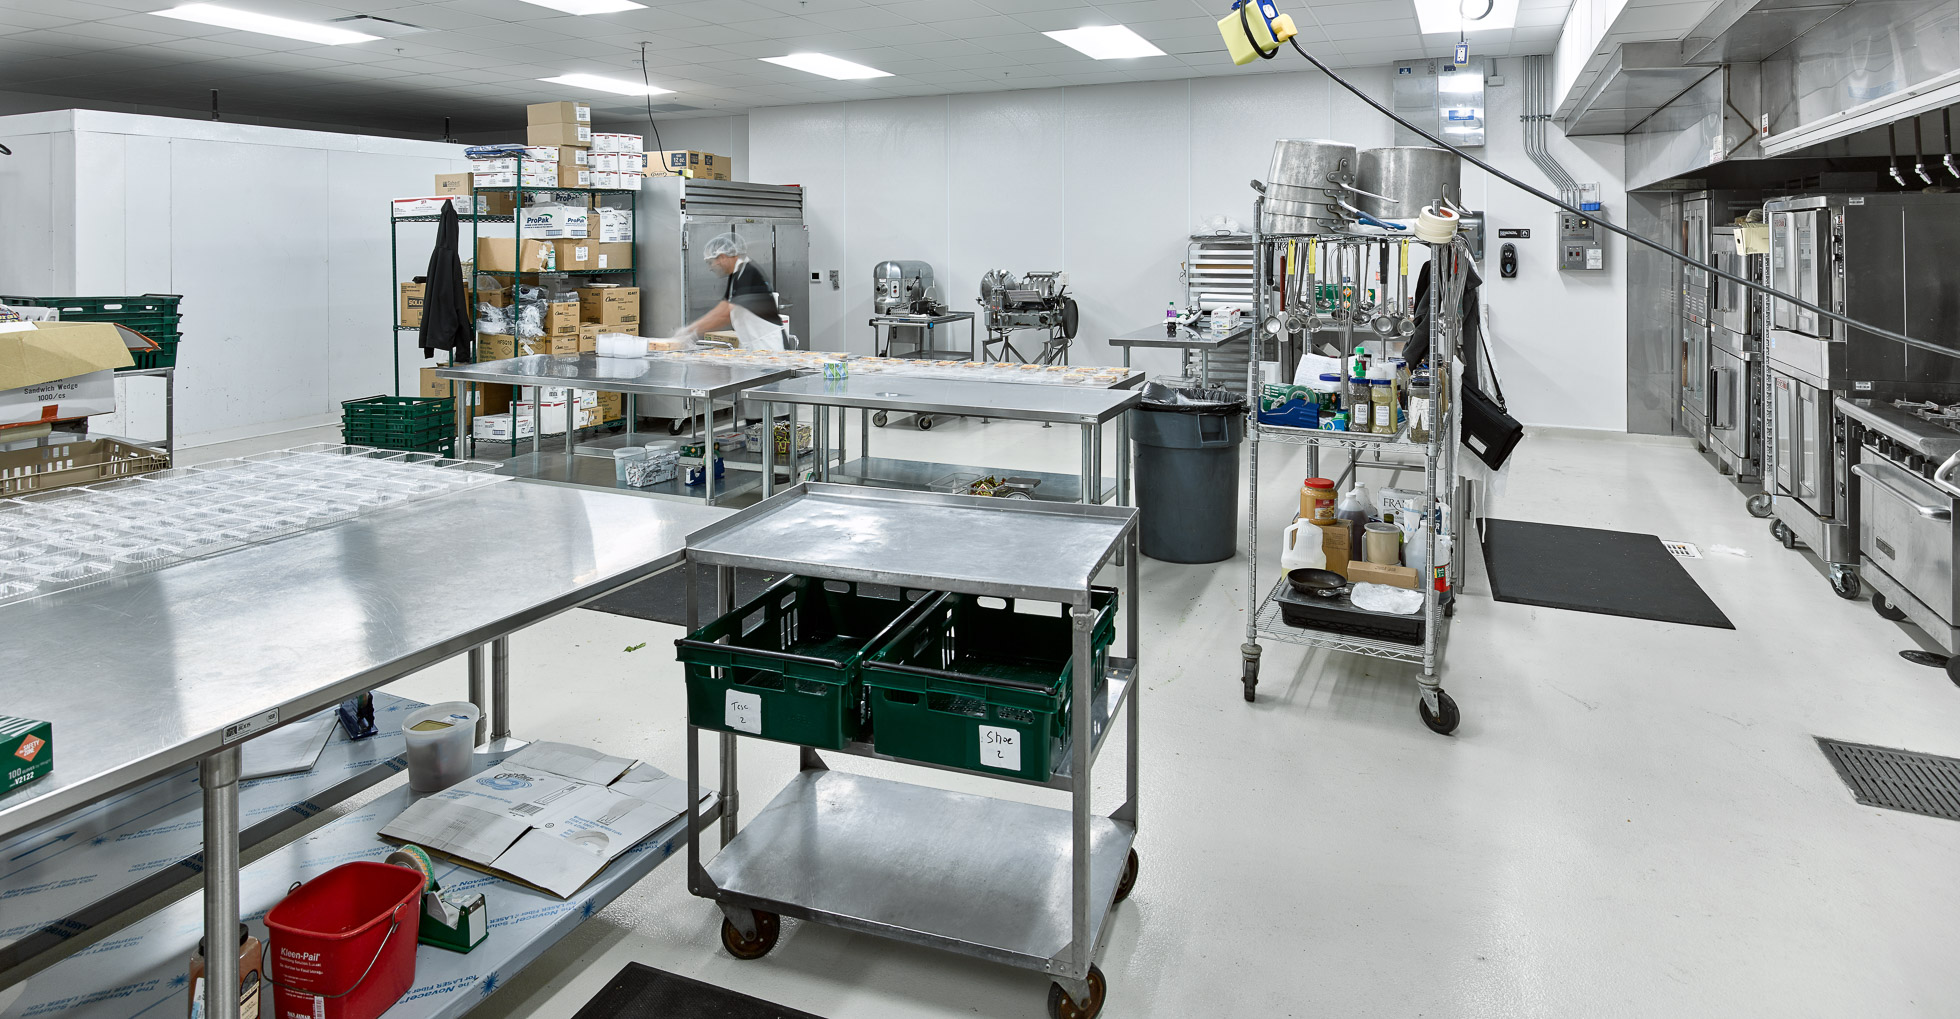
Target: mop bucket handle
<point>395,913</point>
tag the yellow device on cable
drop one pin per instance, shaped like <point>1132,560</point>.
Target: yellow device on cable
<point>1254,30</point>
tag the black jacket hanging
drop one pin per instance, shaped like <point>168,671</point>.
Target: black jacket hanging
<point>446,320</point>
<point>1416,352</point>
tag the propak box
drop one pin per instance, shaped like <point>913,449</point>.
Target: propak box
<point>555,221</point>
<point>26,751</point>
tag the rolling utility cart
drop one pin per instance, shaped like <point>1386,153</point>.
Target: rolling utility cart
<point>1014,883</point>
<point>1419,640</point>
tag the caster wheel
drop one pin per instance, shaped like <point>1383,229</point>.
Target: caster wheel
<point>1449,610</point>
<point>1953,670</point>
<point>1783,534</point>
<point>1250,696</point>
<point>1886,609</point>
<point>925,424</point>
<point>1444,723</point>
<point>767,927</point>
<point>1845,582</point>
<point>880,418</point>
<point>1724,470</point>
<point>1129,878</point>
<point>676,426</point>
<point>1061,1006</point>
<point>1759,506</point>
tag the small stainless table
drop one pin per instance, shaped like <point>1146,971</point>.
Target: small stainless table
<point>1186,342</point>
<point>1086,407</point>
<point>700,383</point>
<point>144,675</point>
<point>884,329</point>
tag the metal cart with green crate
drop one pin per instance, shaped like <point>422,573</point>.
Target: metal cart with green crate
<point>157,318</point>
<point>967,679</point>
<point>416,424</point>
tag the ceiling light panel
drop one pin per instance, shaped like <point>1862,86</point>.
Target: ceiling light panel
<point>587,6</point>
<point>1452,16</point>
<point>601,83</point>
<point>1111,42</point>
<point>828,66</point>
<point>265,24</point>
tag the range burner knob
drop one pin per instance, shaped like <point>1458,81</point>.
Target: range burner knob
<point>1915,462</point>
<point>1884,446</point>
<point>1928,469</point>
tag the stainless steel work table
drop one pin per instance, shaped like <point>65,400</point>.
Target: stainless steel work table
<point>884,328</point>
<point>145,674</point>
<point>1083,406</point>
<point>1187,341</point>
<point>1011,882</point>
<point>700,383</point>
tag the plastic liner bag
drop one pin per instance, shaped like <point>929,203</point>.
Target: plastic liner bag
<point>492,319</point>
<point>530,320</point>
<point>1163,399</point>
<point>1383,598</point>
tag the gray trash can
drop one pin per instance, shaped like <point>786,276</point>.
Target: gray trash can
<point>1187,472</point>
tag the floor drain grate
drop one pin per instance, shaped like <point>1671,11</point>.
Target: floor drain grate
<point>1897,779</point>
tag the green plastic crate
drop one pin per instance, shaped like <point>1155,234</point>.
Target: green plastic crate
<point>987,689</point>
<point>785,666</point>
<point>165,356</point>
<point>406,410</point>
<point>138,304</point>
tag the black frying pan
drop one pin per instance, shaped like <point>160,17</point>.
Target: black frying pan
<point>1317,583</point>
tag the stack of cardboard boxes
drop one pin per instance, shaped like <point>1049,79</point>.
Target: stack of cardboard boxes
<point>688,163</point>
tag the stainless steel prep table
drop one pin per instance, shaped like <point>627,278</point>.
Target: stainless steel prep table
<point>1089,408</point>
<point>701,383</point>
<point>1011,882</point>
<point>145,674</point>
<point>1187,341</point>
<point>884,326</point>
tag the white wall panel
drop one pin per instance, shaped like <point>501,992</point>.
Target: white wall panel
<point>1004,188</point>
<point>806,146</point>
<point>101,215</point>
<point>895,197</point>
<point>1126,194</point>
<point>146,204</point>
<point>27,195</point>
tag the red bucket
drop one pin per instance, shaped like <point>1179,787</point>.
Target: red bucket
<point>343,944</point>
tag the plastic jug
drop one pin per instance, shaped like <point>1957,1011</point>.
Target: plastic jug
<point>1355,509</point>
<point>1301,549</point>
<point>1415,552</point>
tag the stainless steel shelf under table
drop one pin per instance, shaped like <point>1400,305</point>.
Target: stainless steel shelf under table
<point>1014,883</point>
<point>179,665</point>
<point>1086,407</point>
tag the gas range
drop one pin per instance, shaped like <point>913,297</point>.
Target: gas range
<point>1915,435</point>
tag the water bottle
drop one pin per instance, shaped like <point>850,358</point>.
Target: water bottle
<point>1170,321</point>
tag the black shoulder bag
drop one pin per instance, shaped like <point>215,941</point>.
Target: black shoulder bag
<point>1489,430</point>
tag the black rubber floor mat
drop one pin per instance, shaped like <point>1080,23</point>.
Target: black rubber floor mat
<point>1897,779</point>
<point>1584,569</point>
<point>662,598</point>
<point>642,992</point>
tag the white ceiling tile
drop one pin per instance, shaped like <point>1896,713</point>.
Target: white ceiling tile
<point>932,12</point>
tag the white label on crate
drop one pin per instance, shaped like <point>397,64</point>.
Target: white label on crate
<point>1000,748</point>
<point>744,712</point>
<point>247,726</point>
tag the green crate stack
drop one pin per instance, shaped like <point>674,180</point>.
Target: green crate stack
<point>153,315</point>
<point>965,676</point>
<point>417,424</point>
<point>786,665</point>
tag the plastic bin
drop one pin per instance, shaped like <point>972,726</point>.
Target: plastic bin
<point>972,683</point>
<point>415,423</point>
<point>786,666</point>
<point>153,315</point>
<point>343,944</point>
<point>1187,472</point>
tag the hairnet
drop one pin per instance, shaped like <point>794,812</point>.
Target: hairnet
<point>725,244</point>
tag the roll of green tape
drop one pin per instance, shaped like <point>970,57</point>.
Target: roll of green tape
<point>416,858</point>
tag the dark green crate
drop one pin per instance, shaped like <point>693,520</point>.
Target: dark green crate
<point>396,436</point>
<point>165,356</point>
<point>964,667</point>
<point>139,304</point>
<point>444,446</point>
<point>796,650</point>
<point>403,409</point>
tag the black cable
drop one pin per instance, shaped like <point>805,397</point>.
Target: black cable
<point>647,80</point>
<point>1245,22</point>
<point>1628,234</point>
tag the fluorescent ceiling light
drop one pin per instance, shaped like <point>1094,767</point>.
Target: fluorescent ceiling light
<point>829,67</point>
<point>264,24</point>
<point>600,83</point>
<point>588,6</point>
<point>1436,17</point>
<point>1107,42</point>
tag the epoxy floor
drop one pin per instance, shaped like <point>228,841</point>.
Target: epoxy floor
<point>1633,819</point>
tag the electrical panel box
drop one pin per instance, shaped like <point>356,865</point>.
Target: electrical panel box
<point>1581,243</point>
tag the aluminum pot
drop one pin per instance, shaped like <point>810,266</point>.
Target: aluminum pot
<point>1310,172</point>
<point>1413,175</point>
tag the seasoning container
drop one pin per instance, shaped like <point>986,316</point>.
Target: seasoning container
<point>1382,395</point>
<point>1317,499</point>
<point>1381,543</point>
<point>1360,406</point>
<point>1419,409</point>
<point>251,959</point>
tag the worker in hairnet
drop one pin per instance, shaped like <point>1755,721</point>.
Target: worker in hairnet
<point>748,304</point>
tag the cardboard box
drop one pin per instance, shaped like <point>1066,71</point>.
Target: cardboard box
<point>57,371</point>
<point>501,254</point>
<point>1375,573</point>
<point>574,256</point>
<point>495,347</point>
<point>618,162</point>
<point>615,226</point>
<point>496,203</point>
<point>503,427</point>
<point>687,163</point>
<point>612,406</point>
<point>612,256</point>
<point>572,176</point>
<point>556,221</point>
<point>1334,543</point>
<point>571,155</point>
<point>543,178</point>
<point>557,135</point>
<point>26,751</point>
<point>561,318</point>
<point>610,306</point>
<point>558,113</point>
<point>411,303</point>
<point>429,206</point>
<point>610,141</point>
<point>452,184</point>
<point>546,161</point>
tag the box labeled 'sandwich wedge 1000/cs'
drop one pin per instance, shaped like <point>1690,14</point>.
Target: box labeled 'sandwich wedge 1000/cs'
<point>26,751</point>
